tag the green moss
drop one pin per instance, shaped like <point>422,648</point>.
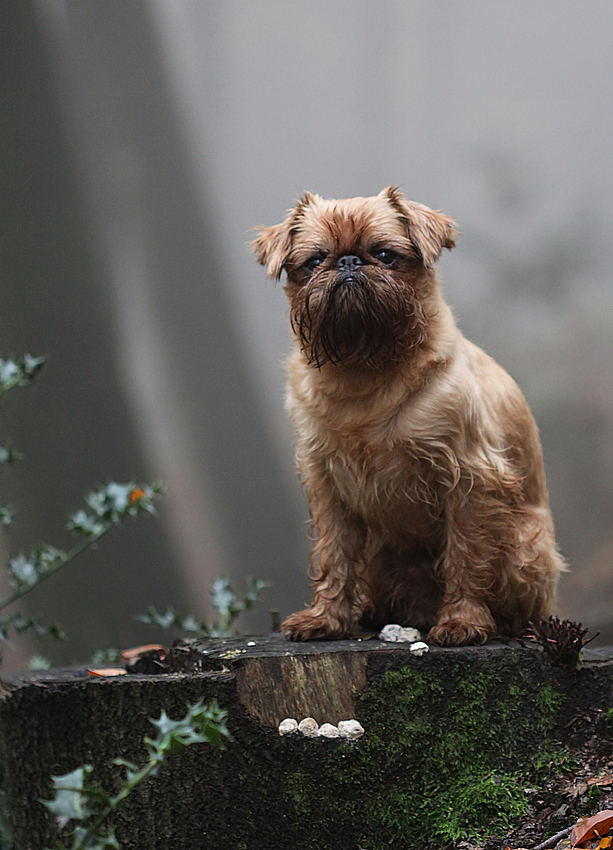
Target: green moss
<point>300,788</point>
<point>465,751</point>
<point>448,750</point>
<point>444,758</point>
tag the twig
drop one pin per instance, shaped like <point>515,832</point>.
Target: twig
<point>555,838</point>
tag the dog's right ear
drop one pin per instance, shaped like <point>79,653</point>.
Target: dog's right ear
<point>272,247</point>
<point>273,244</point>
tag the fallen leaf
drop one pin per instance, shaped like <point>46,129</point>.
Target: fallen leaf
<point>605,843</point>
<point>579,789</point>
<point>601,780</point>
<point>595,826</point>
<point>106,671</point>
<point>138,651</point>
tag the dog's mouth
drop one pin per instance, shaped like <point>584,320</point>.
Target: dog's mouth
<point>349,318</point>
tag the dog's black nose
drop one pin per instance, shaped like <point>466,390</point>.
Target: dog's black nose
<point>348,262</point>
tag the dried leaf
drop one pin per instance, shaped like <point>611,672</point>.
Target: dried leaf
<point>605,843</point>
<point>106,671</point>
<point>580,788</point>
<point>601,780</point>
<point>138,651</point>
<point>595,826</point>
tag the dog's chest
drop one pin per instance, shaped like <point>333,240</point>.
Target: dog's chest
<point>386,485</point>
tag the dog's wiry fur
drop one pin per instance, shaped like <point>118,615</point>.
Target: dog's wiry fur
<point>421,460</point>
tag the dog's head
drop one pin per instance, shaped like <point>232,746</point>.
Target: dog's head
<point>358,271</point>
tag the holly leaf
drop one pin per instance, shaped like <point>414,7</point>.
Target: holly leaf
<point>70,801</point>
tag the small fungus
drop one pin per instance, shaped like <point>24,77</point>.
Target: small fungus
<point>350,729</point>
<point>327,730</point>
<point>418,648</point>
<point>309,727</point>
<point>288,726</point>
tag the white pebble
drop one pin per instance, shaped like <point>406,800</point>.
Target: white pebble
<point>350,729</point>
<point>309,727</point>
<point>393,633</point>
<point>327,730</point>
<point>287,726</point>
<point>419,648</point>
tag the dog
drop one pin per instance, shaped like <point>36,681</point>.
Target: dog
<point>421,460</point>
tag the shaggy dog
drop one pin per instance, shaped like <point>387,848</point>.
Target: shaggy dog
<point>420,458</point>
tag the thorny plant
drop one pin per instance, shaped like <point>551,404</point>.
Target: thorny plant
<point>223,599</point>
<point>106,507</point>
<point>89,805</point>
<point>562,640</point>
<point>77,799</point>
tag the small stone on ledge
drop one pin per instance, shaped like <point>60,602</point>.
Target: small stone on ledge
<point>399,634</point>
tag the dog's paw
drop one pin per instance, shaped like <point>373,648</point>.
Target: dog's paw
<point>305,625</point>
<point>457,633</point>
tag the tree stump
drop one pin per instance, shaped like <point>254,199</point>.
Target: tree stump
<point>451,741</point>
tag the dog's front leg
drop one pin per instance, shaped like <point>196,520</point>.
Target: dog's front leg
<point>467,572</point>
<point>340,539</point>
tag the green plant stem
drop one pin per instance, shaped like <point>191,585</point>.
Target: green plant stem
<point>68,556</point>
<point>115,802</point>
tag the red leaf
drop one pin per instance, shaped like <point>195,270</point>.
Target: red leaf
<point>597,825</point>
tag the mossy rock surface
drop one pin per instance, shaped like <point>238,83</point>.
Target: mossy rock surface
<point>451,741</point>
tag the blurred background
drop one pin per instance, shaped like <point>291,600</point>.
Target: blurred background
<point>139,143</point>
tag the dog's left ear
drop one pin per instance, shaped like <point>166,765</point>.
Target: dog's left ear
<point>273,244</point>
<point>429,231</point>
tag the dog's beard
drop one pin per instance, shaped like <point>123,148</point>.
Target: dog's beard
<point>351,319</point>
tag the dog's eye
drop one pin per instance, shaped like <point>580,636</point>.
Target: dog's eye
<point>312,263</point>
<point>385,256</point>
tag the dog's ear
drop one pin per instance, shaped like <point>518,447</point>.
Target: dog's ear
<point>429,231</point>
<point>273,244</point>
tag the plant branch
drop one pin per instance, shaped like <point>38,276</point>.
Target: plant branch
<point>58,564</point>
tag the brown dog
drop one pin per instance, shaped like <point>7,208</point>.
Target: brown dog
<point>421,460</point>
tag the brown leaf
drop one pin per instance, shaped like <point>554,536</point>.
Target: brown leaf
<point>106,671</point>
<point>601,780</point>
<point>138,651</point>
<point>597,825</point>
